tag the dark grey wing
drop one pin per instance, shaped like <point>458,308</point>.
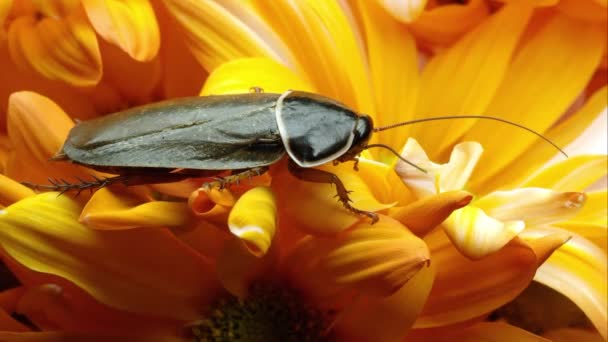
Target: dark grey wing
<point>315,129</point>
<point>208,133</point>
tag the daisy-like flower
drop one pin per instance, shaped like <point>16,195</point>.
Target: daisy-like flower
<point>276,258</point>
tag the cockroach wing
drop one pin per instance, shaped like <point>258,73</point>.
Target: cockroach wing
<point>206,133</point>
<point>314,129</point>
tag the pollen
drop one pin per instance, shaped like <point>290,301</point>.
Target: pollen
<point>269,313</point>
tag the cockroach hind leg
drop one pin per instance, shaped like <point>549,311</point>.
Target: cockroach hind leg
<point>320,176</point>
<point>224,182</point>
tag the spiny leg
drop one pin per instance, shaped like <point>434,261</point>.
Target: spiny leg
<point>236,178</point>
<point>320,176</point>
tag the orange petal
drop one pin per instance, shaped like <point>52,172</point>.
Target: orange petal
<point>219,32</point>
<point>130,25</point>
<point>573,334</point>
<point>573,174</point>
<point>465,289</point>
<point>483,331</point>
<point>207,238</point>
<point>8,323</point>
<point>538,87</point>
<point>238,268</point>
<point>423,215</point>
<point>111,211</point>
<point>63,49</point>
<point>62,336</point>
<point>475,67</point>
<point>11,191</point>
<point>372,260</point>
<point>386,319</point>
<point>404,11</point>
<point>5,7</point>
<point>579,271</point>
<point>42,233</point>
<point>239,76</point>
<point>253,220</point>
<point>594,11</point>
<point>444,24</point>
<point>390,47</point>
<point>320,34</point>
<point>314,206</point>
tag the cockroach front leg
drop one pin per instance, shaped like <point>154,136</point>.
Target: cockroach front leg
<point>320,176</point>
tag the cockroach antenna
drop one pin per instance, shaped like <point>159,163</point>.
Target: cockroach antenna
<point>437,118</point>
<point>396,154</point>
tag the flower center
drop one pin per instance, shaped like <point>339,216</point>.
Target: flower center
<point>270,313</point>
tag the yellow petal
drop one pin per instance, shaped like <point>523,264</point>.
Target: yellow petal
<point>590,221</point>
<point>444,24</point>
<point>240,75</point>
<point>130,25</point>
<point>483,331</point>
<point>567,132</point>
<point>11,191</point>
<point>532,205</point>
<point>539,87</point>
<point>573,334</point>
<point>164,279</point>
<point>475,67</point>
<point>314,206</point>
<point>390,47</point>
<point>453,175</point>
<point>237,268</point>
<point>384,183</point>
<point>477,235</point>
<point>63,49</point>
<point>371,260</point>
<point>253,220</point>
<point>220,31</point>
<point>111,211</point>
<point>385,319</point>
<point>207,238</point>
<point>465,289</point>
<point>425,214</point>
<point>578,270</point>
<point>573,174</point>
<point>320,34</point>
<point>405,11</point>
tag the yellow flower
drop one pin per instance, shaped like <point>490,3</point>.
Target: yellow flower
<point>275,254</point>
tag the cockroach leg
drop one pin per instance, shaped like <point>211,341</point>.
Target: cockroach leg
<point>256,90</point>
<point>320,176</point>
<point>223,182</point>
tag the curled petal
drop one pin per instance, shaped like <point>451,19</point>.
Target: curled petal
<point>220,31</point>
<point>65,49</point>
<point>425,214</point>
<point>465,289</point>
<point>130,25</point>
<point>109,210</point>
<point>314,206</point>
<point>375,260</point>
<point>532,205</point>
<point>476,235</point>
<point>405,11</point>
<point>241,75</point>
<point>11,191</point>
<point>253,220</point>
<point>579,271</point>
<point>43,233</point>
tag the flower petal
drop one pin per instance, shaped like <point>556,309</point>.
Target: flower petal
<point>239,76</point>
<point>130,25</point>
<point>320,34</point>
<point>594,11</point>
<point>533,205</point>
<point>405,11</point>
<point>163,279</point>
<point>8,323</point>
<point>444,24</point>
<point>538,87</point>
<point>390,47</point>
<point>314,206</point>
<point>63,49</point>
<point>425,214</point>
<point>573,174</point>
<point>385,319</point>
<point>465,289</point>
<point>477,235</point>
<point>111,211</point>
<point>5,7</point>
<point>573,334</point>
<point>58,336</point>
<point>253,220</point>
<point>474,67</point>
<point>483,331</point>
<point>11,191</point>
<point>220,31</point>
<point>579,271</point>
<point>371,260</point>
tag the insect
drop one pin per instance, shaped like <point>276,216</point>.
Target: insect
<point>205,136</point>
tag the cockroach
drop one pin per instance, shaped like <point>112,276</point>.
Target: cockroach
<point>245,133</point>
